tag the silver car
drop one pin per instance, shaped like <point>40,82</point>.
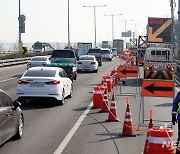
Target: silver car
<point>107,54</point>
<point>38,61</point>
<point>11,118</point>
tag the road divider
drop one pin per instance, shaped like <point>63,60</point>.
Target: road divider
<point>17,61</point>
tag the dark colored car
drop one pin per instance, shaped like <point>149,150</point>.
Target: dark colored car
<point>11,118</point>
<point>65,59</point>
<point>97,53</point>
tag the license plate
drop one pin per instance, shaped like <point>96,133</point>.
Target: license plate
<point>159,66</point>
<point>36,84</point>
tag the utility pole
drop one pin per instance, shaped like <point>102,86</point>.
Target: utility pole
<point>112,15</point>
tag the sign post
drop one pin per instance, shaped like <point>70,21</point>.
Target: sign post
<point>128,71</point>
<point>155,88</point>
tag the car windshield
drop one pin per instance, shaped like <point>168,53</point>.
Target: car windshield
<point>94,51</point>
<point>40,73</point>
<point>38,45</point>
<point>105,51</point>
<point>63,54</point>
<point>39,59</point>
<point>86,58</point>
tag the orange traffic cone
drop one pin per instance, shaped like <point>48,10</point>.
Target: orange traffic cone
<point>104,106</point>
<point>150,126</point>
<point>127,128</point>
<point>112,112</point>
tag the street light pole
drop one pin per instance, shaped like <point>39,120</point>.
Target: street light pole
<point>69,44</point>
<point>94,7</point>
<point>95,26</point>
<point>19,18</point>
<point>112,15</point>
<point>125,21</point>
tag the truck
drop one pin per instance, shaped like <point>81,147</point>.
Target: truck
<point>83,48</point>
<point>106,44</point>
<point>119,45</point>
<point>158,63</point>
<point>66,59</point>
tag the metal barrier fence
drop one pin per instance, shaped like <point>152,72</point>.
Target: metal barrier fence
<point>10,62</point>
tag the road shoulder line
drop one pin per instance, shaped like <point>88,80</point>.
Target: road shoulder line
<point>68,137</point>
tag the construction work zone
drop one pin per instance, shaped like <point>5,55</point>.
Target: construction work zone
<point>157,137</point>
<point>155,88</point>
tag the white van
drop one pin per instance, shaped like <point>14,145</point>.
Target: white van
<point>158,55</point>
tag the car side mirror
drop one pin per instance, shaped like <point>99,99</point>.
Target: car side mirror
<point>16,104</point>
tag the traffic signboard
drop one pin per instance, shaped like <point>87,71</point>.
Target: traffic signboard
<point>158,88</point>
<point>128,71</point>
<point>159,30</point>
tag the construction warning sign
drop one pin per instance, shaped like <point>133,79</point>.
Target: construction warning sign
<point>158,88</point>
<point>159,30</point>
<point>128,71</point>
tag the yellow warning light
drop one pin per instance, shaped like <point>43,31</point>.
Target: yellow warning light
<point>147,68</point>
<point>172,68</point>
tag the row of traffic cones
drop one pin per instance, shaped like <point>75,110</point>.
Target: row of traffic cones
<point>112,117</point>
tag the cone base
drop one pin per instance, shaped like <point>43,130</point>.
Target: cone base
<point>113,120</point>
<point>124,135</point>
<point>102,111</point>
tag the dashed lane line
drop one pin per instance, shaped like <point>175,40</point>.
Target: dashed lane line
<point>66,140</point>
<point>8,79</point>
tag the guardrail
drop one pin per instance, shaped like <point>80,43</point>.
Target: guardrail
<point>10,62</point>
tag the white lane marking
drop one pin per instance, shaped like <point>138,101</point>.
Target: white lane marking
<point>66,140</point>
<point>8,79</point>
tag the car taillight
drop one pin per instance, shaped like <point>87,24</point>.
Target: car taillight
<point>55,82</point>
<point>93,62</point>
<point>22,82</point>
<point>79,62</point>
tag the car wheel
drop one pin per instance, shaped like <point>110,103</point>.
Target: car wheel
<point>61,102</point>
<point>75,77</point>
<point>22,100</point>
<point>96,71</point>
<point>20,128</point>
<point>71,91</point>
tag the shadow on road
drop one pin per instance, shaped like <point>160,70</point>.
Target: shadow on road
<point>38,104</point>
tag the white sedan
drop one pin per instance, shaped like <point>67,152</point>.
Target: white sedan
<point>87,63</point>
<point>44,82</point>
<point>38,61</point>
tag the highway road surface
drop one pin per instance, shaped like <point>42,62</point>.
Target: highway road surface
<point>75,128</point>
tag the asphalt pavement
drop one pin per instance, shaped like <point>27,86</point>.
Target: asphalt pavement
<point>47,125</point>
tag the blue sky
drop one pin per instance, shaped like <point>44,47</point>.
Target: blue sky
<point>46,20</point>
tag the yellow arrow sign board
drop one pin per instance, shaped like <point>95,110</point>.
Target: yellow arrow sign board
<point>159,30</point>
